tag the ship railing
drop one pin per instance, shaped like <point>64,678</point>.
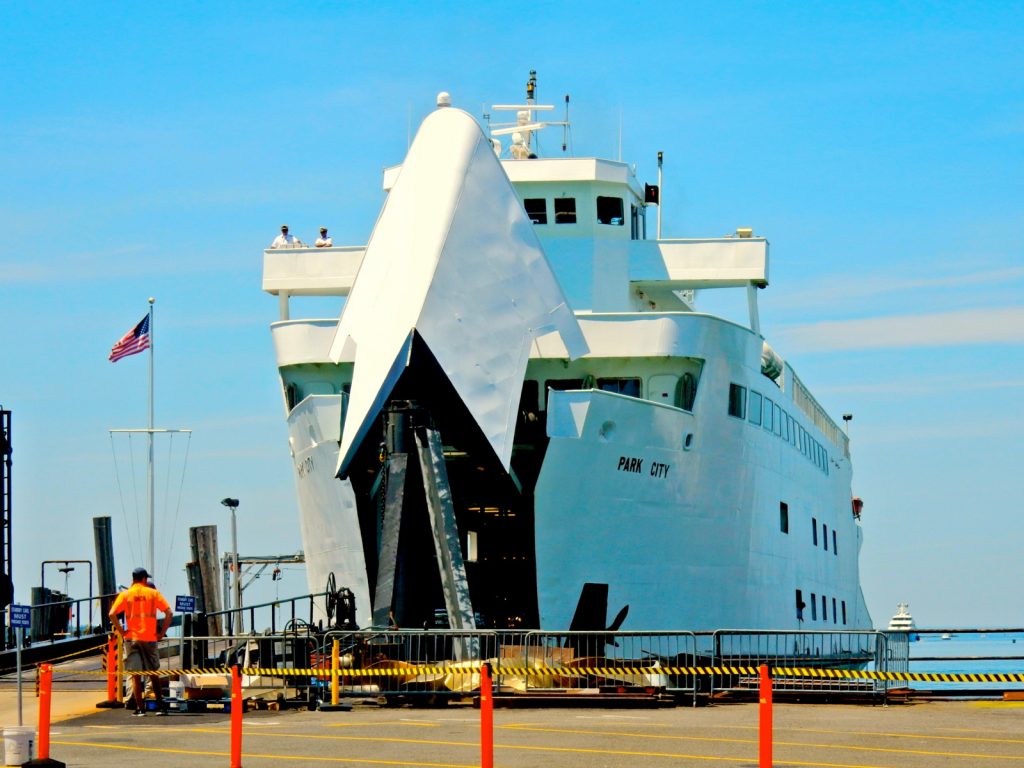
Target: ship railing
<point>813,651</point>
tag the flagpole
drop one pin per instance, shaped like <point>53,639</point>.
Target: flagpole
<point>151,563</point>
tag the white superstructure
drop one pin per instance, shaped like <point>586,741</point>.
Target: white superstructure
<point>521,398</point>
<point>902,621</point>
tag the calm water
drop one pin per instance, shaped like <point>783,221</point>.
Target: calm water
<point>1001,645</point>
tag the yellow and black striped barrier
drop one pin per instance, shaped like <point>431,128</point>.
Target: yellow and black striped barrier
<point>779,673</point>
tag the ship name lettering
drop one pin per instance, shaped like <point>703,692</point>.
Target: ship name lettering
<point>630,464</point>
<point>305,466</point>
<point>659,470</point>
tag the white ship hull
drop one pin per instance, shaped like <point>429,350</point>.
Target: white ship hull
<point>663,455</point>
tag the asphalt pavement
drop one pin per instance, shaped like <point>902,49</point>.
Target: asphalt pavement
<point>972,734</point>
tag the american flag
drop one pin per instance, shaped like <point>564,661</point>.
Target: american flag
<point>133,342</point>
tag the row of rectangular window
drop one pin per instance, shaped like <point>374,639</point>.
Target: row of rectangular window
<point>762,411</point>
<point>836,607</point>
<point>609,210</point>
<point>824,536</point>
<point>784,527</point>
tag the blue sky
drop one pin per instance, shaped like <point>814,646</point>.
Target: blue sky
<point>154,151</point>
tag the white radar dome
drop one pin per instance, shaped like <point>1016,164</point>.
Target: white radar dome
<point>444,99</point>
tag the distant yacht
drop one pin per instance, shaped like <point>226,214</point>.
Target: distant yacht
<point>902,621</point>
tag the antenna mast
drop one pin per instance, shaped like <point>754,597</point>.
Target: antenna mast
<point>526,122</point>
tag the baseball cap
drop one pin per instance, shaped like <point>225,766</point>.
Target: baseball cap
<point>140,573</point>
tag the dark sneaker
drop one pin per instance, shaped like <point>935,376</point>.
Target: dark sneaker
<point>139,713</point>
<point>161,712</point>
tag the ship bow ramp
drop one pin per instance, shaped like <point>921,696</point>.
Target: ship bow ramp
<point>454,259</point>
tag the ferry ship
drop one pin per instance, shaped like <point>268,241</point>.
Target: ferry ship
<point>522,419</point>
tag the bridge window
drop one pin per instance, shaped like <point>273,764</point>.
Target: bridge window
<point>565,210</point>
<point>737,401</point>
<point>536,209</point>
<point>814,607</point>
<point>609,211</point>
<point>824,535</point>
<point>835,549</point>
<point>835,618</point>
<point>629,387</point>
<point>844,612</point>
<point>784,517</point>
<point>824,608</point>
<point>768,411</point>
<point>814,530</point>
<point>800,605</point>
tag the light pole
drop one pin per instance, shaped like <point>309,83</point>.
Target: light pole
<point>847,418</point>
<point>232,504</point>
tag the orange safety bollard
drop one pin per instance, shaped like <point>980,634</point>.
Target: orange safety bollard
<point>119,667</point>
<point>765,707</point>
<point>237,705</point>
<point>335,691</point>
<point>112,668</point>
<point>115,695</point>
<point>45,694</point>
<point>486,718</point>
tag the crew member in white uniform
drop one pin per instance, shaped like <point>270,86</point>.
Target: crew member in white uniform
<point>284,240</point>
<point>324,241</point>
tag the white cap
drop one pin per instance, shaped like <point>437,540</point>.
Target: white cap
<point>444,99</point>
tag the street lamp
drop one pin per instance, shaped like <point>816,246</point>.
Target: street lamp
<point>232,504</point>
<point>847,418</point>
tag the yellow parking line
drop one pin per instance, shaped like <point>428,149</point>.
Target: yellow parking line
<point>257,756</point>
<point>777,743</point>
<point>890,734</point>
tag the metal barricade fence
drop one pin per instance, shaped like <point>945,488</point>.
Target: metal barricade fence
<point>443,662</point>
<point>809,652</point>
<point>602,660</point>
<point>446,662</point>
<point>896,657</point>
<point>409,662</point>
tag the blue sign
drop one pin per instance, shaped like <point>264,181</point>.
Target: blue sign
<point>21,616</point>
<point>185,604</point>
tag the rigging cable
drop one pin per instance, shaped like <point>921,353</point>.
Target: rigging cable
<point>177,509</point>
<point>120,495</point>
<point>135,494</point>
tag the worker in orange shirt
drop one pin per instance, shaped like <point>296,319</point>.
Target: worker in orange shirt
<point>139,604</point>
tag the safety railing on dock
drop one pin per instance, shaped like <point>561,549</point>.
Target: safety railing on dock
<point>273,615</point>
<point>812,652</point>
<point>64,618</point>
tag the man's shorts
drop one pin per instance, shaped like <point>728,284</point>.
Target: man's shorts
<point>141,656</point>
